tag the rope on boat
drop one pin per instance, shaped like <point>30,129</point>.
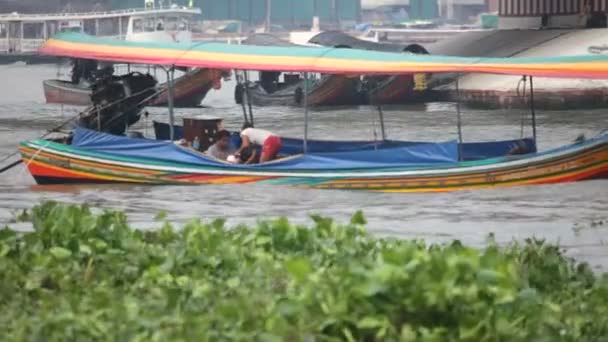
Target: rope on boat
<point>29,161</point>
<point>58,128</point>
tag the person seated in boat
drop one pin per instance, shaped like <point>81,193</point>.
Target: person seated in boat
<point>222,148</point>
<point>519,148</point>
<point>270,143</point>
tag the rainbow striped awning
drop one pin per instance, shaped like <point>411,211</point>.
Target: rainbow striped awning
<point>311,59</point>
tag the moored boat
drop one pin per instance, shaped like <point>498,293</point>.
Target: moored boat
<point>379,165</point>
<point>326,90</point>
<point>391,89</point>
<point>190,90</point>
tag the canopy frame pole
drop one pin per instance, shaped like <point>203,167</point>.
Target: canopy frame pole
<point>305,147</point>
<point>381,115</point>
<point>98,118</point>
<point>248,97</point>
<point>532,109</point>
<point>170,75</point>
<point>239,82</point>
<point>459,118</point>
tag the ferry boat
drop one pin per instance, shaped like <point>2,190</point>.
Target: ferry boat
<point>21,35</point>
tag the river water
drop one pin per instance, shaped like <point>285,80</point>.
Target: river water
<point>554,212</point>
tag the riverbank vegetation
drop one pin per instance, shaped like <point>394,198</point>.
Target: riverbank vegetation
<point>85,276</point>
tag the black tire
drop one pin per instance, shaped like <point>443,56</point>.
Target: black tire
<point>239,92</point>
<point>298,95</point>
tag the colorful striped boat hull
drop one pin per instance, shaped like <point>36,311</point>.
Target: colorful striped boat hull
<point>54,163</point>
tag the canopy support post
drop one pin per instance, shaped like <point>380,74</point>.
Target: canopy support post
<point>305,112</point>
<point>98,119</point>
<point>381,115</point>
<point>170,74</point>
<point>532,109</point>
<point>380,112</point>
<point>238,82</point>
<point>248,97</point>
<point>459,118</point>
<point>119,27</point>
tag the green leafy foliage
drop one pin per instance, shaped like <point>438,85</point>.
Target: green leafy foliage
<point>81,276</point>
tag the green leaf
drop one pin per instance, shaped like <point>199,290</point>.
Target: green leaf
<point>233,282</point>
<point>370,322</point>
<point>299,268</point>
<point>85,249</point>
<point>60,253</point>
<point>160,216</point>
<point>489,276</point>
<point>358,218</point>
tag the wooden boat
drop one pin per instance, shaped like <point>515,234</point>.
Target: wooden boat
<point>190,90</point>
<point>99,157</point>
<point>327,90</point>
<point>392,89</point>
<point>383,165</point>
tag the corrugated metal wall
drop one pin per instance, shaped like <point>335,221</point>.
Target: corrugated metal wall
<point>599,6</point>
<point>524,8</point>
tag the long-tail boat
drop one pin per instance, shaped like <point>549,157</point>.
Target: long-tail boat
<point>391,89</point>
<point>190,89</point>
<point>327,90</point>
<point>379,165</point>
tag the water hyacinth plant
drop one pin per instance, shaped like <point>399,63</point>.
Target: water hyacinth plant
<point>82,276</point>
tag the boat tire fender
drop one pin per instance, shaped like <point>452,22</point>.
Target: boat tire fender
<point>298,95</point>
<point>239,91</point>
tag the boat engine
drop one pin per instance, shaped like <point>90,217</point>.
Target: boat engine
<point>118,101</point>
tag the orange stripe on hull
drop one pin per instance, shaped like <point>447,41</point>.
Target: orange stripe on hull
<point>220,179</point>
<point>38,169</point>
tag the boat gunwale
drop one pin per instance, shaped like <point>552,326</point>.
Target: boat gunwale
<point>485,165</point>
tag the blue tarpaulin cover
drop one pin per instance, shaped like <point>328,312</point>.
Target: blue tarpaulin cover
<point>412,155</point>
<point>291,146</point>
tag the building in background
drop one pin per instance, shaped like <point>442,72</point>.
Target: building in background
<point>552,13</point>
<point>287,13</point>
<point>457,11</point>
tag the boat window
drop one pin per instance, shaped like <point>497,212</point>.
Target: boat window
<point>150,25</point>
<point>171,23</point>
<point>138,26</point>
<point>184,25</point>
<point>2,30</point>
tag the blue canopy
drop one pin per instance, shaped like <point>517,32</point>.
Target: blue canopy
<point>153,150</point>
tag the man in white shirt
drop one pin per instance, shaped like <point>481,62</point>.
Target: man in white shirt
<point>270,143</point>
<point>222,148</point>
